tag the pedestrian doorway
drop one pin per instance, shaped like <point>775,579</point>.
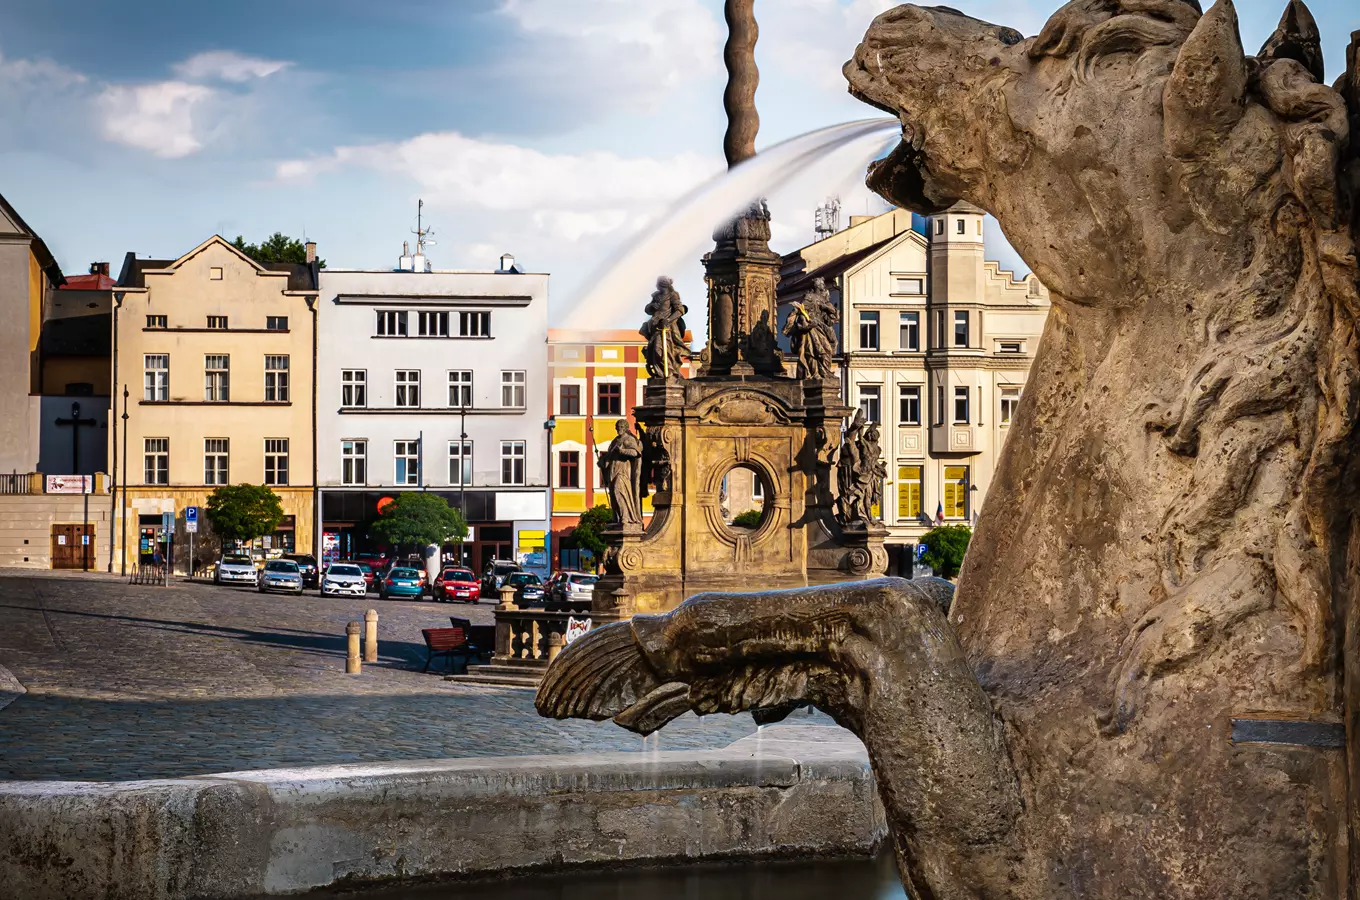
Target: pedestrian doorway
<point>73,547</point>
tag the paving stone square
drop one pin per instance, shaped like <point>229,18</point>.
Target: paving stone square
<point>129,682</point>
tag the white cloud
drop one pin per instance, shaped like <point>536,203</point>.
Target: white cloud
<point>568,195</point>
<point>632,50</point>
<point>227,65</point>
<point>31,73</point>
<point>157,117</point>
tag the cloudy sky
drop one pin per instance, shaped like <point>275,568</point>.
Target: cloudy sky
<point>551,129</point>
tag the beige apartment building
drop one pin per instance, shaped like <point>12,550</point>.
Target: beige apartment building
<point>936,344</point>
<point>213,368</point>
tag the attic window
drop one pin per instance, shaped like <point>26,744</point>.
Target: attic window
<point>215,273</point>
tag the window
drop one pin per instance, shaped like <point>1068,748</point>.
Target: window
<point>391,323</point>
<point>353,387</point>
<point>216,379</point>
<point>870,396</point>
<point>217,322</point>
<point>512,390</point>
<point>956,492</point>
<point>960,406</point>
<point>157,378</point>
<point>868,331</point>
<point>909,286</point>
<point>276,379</point>
<point>156,462</point>
<point>909,404</point>
<point>910,331</point>
<point>608,398</point>
<point>909,480</point>
<point>354,462</point>
<point>1010,347</point>
<point>433,324</point>
<point>939,226</point>
<point>155,322</point>
<point>276,460</point>
<point>460,388</point>
<point>569,469</point>
<point>406,455</point>
<point>215,273</point>
<point>939,405</point>
<point>215,457</point>
<point>276,323</point>
<point>960,225</point>
<point>408,387</point>
<point>569,400</point>
<point>460,462</point>
<point>512,462</point>
<point>474,324</point>
<point>961,328</point>
<point>1010,401</point>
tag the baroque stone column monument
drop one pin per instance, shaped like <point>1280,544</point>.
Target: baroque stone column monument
<point>1148,684</point>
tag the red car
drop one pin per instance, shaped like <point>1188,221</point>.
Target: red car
<point>456,584</point>
<point>368,574</point>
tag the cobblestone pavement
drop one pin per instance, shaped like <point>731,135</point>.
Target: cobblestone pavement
<point>132,682</point>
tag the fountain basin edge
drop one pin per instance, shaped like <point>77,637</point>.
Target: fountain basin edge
<point>794,792</point>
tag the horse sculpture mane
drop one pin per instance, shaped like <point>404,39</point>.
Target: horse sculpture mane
<point>1169,545</point>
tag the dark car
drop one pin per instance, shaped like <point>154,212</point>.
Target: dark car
<point>528,588</point>
<point>306,565</point>
<point>494,576</point>
<point>456,584</point>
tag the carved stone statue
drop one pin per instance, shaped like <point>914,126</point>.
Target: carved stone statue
<point>665,331</point>
<point>1155,640</point>
<point>811,329</point>
<point>620,471</point>
<point>852,473</point>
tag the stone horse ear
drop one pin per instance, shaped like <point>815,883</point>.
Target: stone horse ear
<point>1205,95</point>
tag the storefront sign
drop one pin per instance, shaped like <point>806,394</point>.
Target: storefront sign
<point>575,628</point>
<point>69,484</point>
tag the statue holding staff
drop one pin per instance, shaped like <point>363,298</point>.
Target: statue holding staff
<point>665,331</point>
<point>621,471</point>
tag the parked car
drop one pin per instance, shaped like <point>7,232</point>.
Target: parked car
<point>306,565</point>
<point>236,570</point>
<point>281,575</point>
<point>573,587</point>
<point>456,584</point>
<point>528,588</point>
<point>344,580</point>
<point>401,582</point>
<point>496,572</point>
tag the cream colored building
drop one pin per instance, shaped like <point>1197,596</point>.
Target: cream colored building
<point>936,343</point>
<point>216,353</point>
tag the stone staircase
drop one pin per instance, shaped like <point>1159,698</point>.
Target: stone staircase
<point>522,673</point>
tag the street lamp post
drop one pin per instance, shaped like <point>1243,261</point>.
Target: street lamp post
<point>548,427</point>
<point>464,554</point>
<point>122,566</point>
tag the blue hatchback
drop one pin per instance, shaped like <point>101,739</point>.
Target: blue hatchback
<point>401,583</point>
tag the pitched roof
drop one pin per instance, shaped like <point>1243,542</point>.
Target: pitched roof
<point>797,284</point>
<point>46,260</point>
<point>93,282</point>
<point>301,276</point>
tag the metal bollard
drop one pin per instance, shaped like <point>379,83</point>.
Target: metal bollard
<point>555,644</point>
<point>371,636</point>
<point>352,664</point>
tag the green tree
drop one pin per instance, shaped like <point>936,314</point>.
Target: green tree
<point>243,512</point>
<point>421,519</point>
<point>945,547</point>
<point>589,531</point>
<point>749,519</point>
<point>278,247</point>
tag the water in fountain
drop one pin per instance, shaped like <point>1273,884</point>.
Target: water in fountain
<point>684,231</point>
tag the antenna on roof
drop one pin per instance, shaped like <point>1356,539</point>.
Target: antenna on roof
<point>419,262</point>
<point>827,219</point>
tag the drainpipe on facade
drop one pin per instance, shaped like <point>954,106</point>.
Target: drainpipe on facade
<point>122,568</point>
<point>318,540</point>
<point>113,420</point>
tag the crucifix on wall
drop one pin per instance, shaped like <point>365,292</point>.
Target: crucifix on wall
<point>76,422</point>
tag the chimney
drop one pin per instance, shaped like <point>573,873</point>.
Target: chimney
<point>507,264</point>
<point>311,252</point>
<point>99,268</point>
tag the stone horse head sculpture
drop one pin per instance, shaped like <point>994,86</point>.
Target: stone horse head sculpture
<point>1169,547</point>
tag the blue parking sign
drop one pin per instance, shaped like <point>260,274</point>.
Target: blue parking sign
<point>191,513</point>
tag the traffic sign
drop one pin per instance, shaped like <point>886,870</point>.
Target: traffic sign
<point>921,550</point>
<point>191,519</point>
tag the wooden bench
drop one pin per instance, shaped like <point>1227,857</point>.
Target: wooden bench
<point>450,642</point>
